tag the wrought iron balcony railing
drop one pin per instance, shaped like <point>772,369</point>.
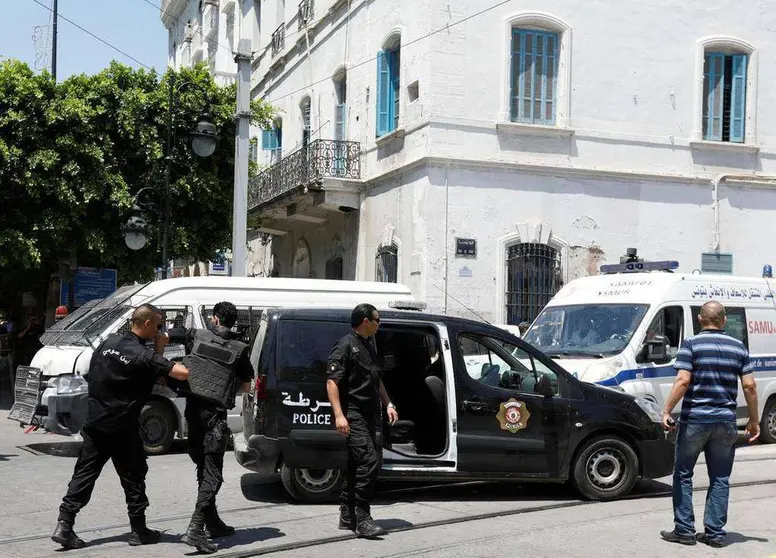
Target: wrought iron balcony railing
<point>279,39</point>
<point>321,158</point>
<point>306,13</point>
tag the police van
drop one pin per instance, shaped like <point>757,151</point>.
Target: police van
<point>474,402</point>
<point>59,405</point>
<point>623,328</point>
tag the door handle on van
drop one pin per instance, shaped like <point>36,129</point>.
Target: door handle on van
<point>475,406</point>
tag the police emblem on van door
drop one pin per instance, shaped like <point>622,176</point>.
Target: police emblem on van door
<point>513,416</point>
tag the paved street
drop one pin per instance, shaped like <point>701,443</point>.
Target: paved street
<point>464,520</point>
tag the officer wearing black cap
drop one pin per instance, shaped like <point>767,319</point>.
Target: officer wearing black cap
<point>206,409</point>
<point>122,374</point>
<point>355,390</point>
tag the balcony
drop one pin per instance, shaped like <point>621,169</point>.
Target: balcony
<point>321,159</point>
<point>279,39</point>
<point>306,13</point>
<point>171,11</point>
<point>210,21</point>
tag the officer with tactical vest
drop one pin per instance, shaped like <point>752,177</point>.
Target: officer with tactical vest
<point>219,368</point>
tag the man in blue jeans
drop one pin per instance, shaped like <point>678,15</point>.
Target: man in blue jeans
<point>708,367</point>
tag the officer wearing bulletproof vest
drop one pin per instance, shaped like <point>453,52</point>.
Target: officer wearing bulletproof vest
<point>207,400</point>
<point>355,390</point>
<point>122,374</point>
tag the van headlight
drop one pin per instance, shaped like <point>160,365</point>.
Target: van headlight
<point>651,408</point>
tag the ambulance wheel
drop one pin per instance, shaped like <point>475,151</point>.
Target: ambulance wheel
<point>312,485</point>
<point>605,469</point>
<point>157,427</point>
<point>768,424</point>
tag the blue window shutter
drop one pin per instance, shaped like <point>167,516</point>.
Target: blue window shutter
<point>714,87</point>
<point>266,139</point>
<point>738,99</point>
<point>278,143</point>
<point>395,73</point>
<point>383,94</point>
<point>534,74</point>
<point>521,82</point>
<point>514,86</point>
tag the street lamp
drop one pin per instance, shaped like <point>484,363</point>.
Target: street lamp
<point>203,143</point>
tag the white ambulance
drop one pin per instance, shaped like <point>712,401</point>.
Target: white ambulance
<point>59,405</point>
<point>623,328</point>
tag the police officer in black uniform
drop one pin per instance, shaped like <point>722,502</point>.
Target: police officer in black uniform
<point>208,433</point>
<point>355,390</point>
<point>122,374</point>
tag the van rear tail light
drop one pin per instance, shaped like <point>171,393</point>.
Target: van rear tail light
<point>261,386</point>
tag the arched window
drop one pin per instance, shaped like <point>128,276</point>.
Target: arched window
<point>334,268</point>
<point>387,264</point>
<point>306,125</point>
<point>388,86</point>
<point>533,277</point>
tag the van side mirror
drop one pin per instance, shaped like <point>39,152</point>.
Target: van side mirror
<point>544,387</point>
<point>657,349</point>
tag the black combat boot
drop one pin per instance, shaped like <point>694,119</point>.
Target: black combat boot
<point>65,535</point>
<point>141,534</point>
<point>215,526</point>
<point>195,535</point>
<point>366,526</point>
<point>346,519</point>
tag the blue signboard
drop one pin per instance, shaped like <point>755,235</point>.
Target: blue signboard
<point>90,283</point>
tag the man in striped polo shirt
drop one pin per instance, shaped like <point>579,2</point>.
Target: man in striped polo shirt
<point>708,367</point>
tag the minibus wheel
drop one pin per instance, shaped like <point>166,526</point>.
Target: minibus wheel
<point>768,424</point>
<point>157,427</point>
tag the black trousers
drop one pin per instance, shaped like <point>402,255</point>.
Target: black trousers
<point>207,439</point>
<point>125,449</point>
<point>363,463</point>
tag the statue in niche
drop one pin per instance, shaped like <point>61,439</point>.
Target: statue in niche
<point>302,264</point>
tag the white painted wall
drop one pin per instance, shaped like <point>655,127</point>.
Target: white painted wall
<point>622,168</point>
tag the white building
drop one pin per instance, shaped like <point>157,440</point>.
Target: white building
<point>206,31</point>
<point>483,156</point>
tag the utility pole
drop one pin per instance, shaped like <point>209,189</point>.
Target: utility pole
<point>54,45</point>
<point>243,57</point>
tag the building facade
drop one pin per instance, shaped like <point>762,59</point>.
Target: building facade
<point>486,155</point>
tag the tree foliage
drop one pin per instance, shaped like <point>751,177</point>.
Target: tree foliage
<point>73,156</point>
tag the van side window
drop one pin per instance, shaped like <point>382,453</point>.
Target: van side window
<point>735,327</point>
<point>304,347</point>
<point>248,320</point>
<point>500,364</point>
<point>172,317</point>
<point>669,322</point>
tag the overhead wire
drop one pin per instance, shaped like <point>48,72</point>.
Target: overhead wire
<point>103,41</point>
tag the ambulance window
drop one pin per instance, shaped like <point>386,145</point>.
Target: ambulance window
<point>248,320</point>
<point>668,322</point>
<point>735,326</point>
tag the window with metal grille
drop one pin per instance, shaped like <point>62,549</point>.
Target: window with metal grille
<point>534,76</point>
<point>387,264</point>
<point>533,277</point>
<point>724,97</point>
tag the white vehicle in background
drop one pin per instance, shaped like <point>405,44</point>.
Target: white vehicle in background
<point>623,328</point>
<point>60,366</point>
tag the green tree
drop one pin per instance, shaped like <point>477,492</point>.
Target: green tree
<point>74,154</point>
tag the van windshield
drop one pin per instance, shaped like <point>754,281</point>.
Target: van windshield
<point>585,330</point>
<point>88,322</point>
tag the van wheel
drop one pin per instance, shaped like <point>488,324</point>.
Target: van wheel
<point>605,469</point>
<point>157,427</point>
<point>768,423</point>
<point>312,485</point>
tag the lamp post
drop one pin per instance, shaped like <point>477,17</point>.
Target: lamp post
<point>203,143</point>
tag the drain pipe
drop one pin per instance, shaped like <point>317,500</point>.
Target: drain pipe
<point>751,178</point>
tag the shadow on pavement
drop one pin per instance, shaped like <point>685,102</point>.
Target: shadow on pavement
<point>167,538</point>
<point>734,538</point>
<point>249,536</point>
<point>256,488</point>
<point>5,456</point>
<point>57,449</point>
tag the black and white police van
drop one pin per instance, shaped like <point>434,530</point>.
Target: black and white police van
<point>474,403</point>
